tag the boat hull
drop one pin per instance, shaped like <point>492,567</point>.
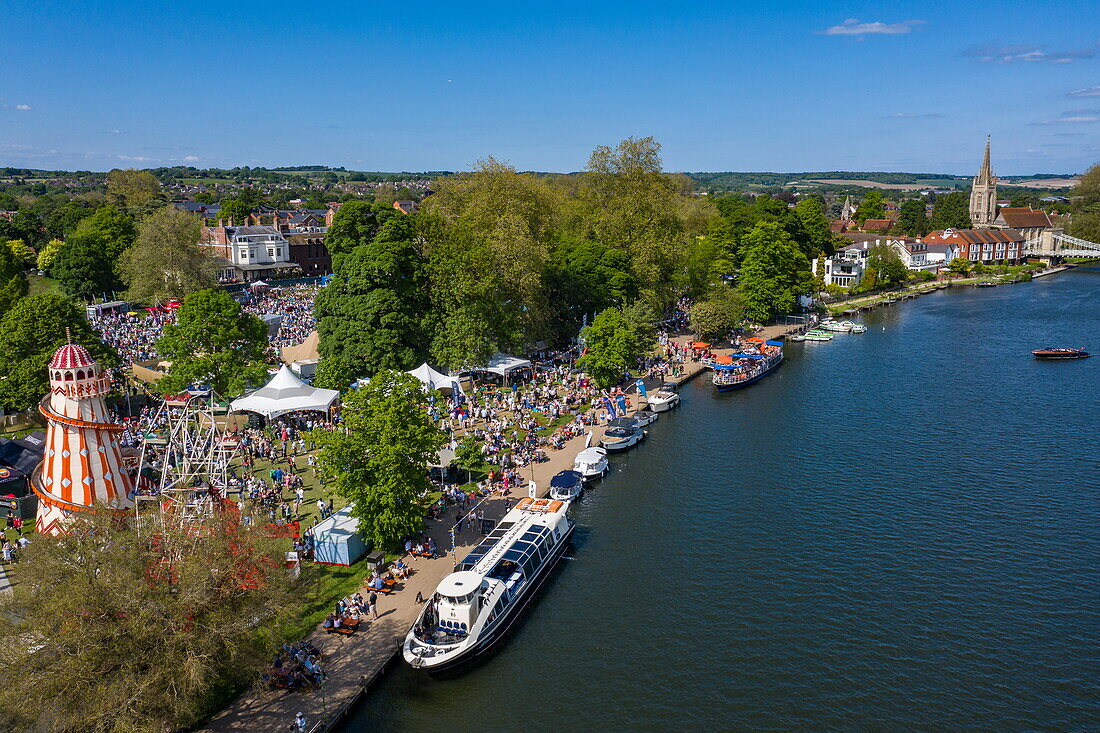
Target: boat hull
<point>751,380</point>
<point>479,651</point>
<point>1061,356</point>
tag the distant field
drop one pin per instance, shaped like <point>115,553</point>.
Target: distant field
<point>1043,182</point>
<point>927,183</point>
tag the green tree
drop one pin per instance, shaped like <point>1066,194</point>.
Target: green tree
<point>132,187</point>
<point>235,211</point>
<point>13,280</point>
<point>959,266</point>
<point>46,255</point>
<point>773,273</point>
<point>1086,206</point>
<point>381,457</point>
<point>213,343</point>
<point>373,315</point>
<point>355,223</point>
<point>811,214</point>
<point>30,333</point>
<point>718,316</point>
<point>952,211</point>
<point>167,260</point>
<point>912,221</point>
<point>113,229</point>
<point>887,263</point>
<point>21,251</point>
<point>612,345</point>
<point>869,281</point>
<point>84,269</point>
<point>156,620</point>
<point>871,207</point>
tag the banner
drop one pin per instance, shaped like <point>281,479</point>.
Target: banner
<point>622,403</point>
<point>640,384</point>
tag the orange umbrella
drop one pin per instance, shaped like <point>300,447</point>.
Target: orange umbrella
<point>700,345</point>
<point>754,340</point>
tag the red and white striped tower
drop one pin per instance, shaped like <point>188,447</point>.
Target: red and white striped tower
<point>83,464</point>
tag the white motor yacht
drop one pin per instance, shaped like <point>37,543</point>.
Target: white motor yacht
<point>665,398</point>
<point>591,463</point>
<point>473,607</point>
<point>623,433</point>
<point>645,417</point>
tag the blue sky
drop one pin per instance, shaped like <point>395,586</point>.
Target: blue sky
<point>755,86</point>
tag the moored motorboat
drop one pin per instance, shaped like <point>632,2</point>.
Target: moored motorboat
<point>645,416</point>
<point>858,328</point>
<point>749,366</point>
<point>566,485</point>
<point>622,434</point>
<point>665,398</point>
<point>473,607</point>
<point>817,335</point>
<point>591,463</point>
<point>836,326</point>
<point>1060,352</point>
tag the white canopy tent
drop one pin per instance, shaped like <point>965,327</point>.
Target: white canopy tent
<point>434,380</point>
<point>503,364</point>
<point>283,394</point>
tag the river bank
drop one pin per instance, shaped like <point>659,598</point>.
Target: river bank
<point>835,548</point>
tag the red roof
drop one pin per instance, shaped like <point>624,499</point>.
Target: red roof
<point>876,224</point>
<point>71,356</point>
<point>1025,217</point>
<point>974,236</point>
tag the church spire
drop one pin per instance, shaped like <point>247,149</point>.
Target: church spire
<point>983,194</point>
<point>985,175</point>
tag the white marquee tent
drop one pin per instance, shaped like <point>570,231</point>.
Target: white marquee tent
<point>285,393</point>
<point>435,380</point>
<point>503,364</point>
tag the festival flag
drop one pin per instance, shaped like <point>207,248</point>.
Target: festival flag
<point>640,384</point>
<point>622,403</point>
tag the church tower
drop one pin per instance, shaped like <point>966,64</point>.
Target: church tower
<point>83,464</point>
<point>983,195</point>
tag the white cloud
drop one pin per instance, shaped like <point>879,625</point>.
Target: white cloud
<point>990,54</point>
<point>135,158</point>
<point>1074,117</point>
<point>23,107</point>
<point>913,116</point>
<point>190,158</point>
<point>1086,92</point>
<point>853,27</point>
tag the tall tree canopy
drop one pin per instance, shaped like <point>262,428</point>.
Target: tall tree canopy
<point>380,459</point>
<point>215,343</point>
<point>132,187</point>
<point>150,621</point>
<point>84,269</point>
<point>912,221</point>
<point>1086,206</point>
<point>871,207</point>
<point>13,280</point>
<point>372,316</point>
<point>612,345</point>
<point>30,333</point>
<point>354,223</point>
<point>167,260</point>
<point>888,265</point>
<point>773,273</point>
<point>952,211</point>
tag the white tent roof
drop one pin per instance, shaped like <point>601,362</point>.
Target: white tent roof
<point>285,393</point>
<point>503,363</point>
<point>435,380</point>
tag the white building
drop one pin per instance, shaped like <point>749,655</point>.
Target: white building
<point>250,253</point>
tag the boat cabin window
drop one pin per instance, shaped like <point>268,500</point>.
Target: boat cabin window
<point>505,569</point>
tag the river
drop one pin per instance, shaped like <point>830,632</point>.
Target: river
<point>896,530</point>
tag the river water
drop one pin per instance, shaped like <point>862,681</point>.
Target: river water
<point>896,530</point>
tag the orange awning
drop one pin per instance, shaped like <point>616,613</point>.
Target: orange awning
<point>700,345</point>
<point>723,360</point>
<point>754,340</point>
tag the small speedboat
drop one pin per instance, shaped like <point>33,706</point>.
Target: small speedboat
<point>816,335</point>
<point>858,328</point>
<point>836,326</point>
<point>987,284</point>
<point>645,416</point>
<point>665,398</point>
<point>591,463</point>
<point>797,337</point>
<point>1059,352</point>
<point>623,433</point>
<point>566,486</point>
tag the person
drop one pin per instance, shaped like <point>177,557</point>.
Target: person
<point>22,542</point>
<point>300,723</point>
<point>372,605</point>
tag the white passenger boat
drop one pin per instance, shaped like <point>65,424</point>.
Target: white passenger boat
<point>591,463</point>
<point>665,398</point>
<point>473,607</point>
<point>816,335</point>
<point>566,485</point>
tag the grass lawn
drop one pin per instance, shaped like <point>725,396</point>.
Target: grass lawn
<point>40,284</point>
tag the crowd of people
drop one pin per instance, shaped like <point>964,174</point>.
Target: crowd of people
<point>294,304</point>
